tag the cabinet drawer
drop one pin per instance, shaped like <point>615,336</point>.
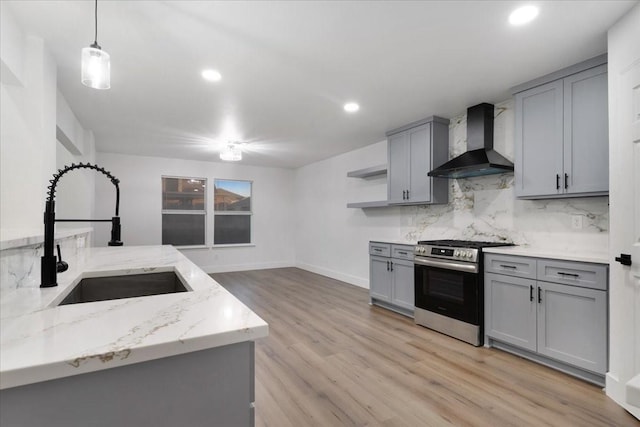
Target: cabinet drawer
<point>510,265</point>
<point>586,275</point>
<point>380,249</point>
<point>402,252</point>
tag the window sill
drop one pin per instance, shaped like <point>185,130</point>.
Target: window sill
<point>191,247</point>
<point>234,245</point>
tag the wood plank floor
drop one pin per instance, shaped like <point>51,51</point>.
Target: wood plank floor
<point>333,360</point>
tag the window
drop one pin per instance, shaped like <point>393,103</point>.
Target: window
<point>183,211</point>
<point>232,209</point>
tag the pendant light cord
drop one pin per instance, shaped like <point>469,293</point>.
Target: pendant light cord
<point>95,37</point>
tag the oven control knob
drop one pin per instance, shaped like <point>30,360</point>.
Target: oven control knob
<point>469,254</point>
<point>422,250</point>
<point>456,253</point>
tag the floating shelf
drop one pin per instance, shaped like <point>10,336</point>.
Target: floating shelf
<point>378,204</point>
<point>368,172</point>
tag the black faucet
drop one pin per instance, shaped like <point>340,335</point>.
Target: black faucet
<point>49,265</point>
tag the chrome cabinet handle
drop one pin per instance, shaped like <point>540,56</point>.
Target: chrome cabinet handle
<point>539,295</point>
<point>508,266</point>
<point>387,265</point>
<point>557,182</point>
<point>408,195</point>
<point>530,292</point>
<point>566,181</point>
<point>391,266</point>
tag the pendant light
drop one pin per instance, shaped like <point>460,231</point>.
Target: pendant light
<point>231,153</point>
<point>96,65</point>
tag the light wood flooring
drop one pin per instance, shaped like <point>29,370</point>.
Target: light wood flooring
<point>331,359</point>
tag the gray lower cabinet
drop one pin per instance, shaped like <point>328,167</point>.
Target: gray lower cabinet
<point>562,147</point>
<point>379,278</point>
<point>391,277</point>
<point>203,388</point>
<point>558,317</point>
<point>414,150</point>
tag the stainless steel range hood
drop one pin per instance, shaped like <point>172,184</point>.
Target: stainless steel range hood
<point>480,158</point>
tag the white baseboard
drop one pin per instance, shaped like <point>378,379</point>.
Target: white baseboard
<point>209,269</point>
<point>616,391</point>
<point>357,281</point>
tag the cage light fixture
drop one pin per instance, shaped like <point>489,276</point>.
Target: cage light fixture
<point>231,153</point>
<point>96,63</point>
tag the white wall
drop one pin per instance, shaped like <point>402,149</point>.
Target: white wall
<point>140,208</point>
<point>333,240</point>
<point>28,131</point>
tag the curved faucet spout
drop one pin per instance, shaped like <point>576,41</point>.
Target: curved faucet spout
<point>48,261</point>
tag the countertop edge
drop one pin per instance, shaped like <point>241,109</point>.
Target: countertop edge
<point>594,258</point>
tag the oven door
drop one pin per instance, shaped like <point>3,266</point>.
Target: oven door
<point>448,288</point>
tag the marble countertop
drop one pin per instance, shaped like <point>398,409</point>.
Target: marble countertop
<point>394,242</point>
<point>40,341</point>
<point>594,257</point>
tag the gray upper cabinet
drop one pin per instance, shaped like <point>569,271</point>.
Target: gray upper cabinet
<point>561,147</point>
<point>539,124</point>
<point>586,132</point>
<point>414,150</point>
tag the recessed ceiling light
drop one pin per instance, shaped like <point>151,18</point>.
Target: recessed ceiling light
<point>523,15</point>
<point>212,75</point>
<point>351,107</point>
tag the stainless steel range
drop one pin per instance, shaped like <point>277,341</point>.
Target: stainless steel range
<point>449,287</point>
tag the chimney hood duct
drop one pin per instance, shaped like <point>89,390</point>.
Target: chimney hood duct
<point>480,158</point>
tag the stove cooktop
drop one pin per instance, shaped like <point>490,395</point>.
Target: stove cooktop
<point>463,243</point>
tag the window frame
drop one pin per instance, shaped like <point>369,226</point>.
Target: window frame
<point>248,213</point>
<point>185,212</point>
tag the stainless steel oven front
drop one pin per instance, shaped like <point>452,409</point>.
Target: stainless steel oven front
<point>449,297</point>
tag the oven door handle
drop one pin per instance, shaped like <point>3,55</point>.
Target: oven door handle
<point>448,265</point>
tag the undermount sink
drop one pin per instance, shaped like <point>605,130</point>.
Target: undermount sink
<point>93,289</point>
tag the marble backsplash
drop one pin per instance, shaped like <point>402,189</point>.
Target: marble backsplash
<point>485,208</point>
<point>20,265</point>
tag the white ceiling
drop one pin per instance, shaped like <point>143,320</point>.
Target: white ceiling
<point>288,67</point>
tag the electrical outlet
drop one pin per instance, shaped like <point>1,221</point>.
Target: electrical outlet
<point>576,222</point>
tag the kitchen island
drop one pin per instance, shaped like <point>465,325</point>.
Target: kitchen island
<point>174,359</point>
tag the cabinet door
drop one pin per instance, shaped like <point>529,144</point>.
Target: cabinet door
<point>420,164</point>
<point>380,278</point>
<point>403,284</point>
<point>511,310</point>
<point>586,132</point>
<point>538,146</point>
<point>398,168</point>
<point>572,325</point>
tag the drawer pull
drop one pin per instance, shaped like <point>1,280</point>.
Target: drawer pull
<point>508,266</point>
<point>575,276</point>
<point>377,249</point>
<point>402,253</point>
